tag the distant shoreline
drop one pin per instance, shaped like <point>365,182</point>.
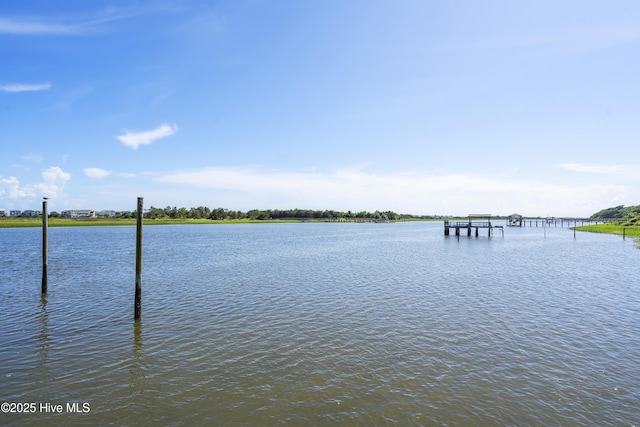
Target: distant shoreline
<point>9,222</point>
<point>88,222</point>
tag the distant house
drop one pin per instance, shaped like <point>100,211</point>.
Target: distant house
<point>82,213</point>
<point>15,213</point>
<point>514,220</point>
<point>3,213</point>
<point>31,213</point>
<point>109,214</point>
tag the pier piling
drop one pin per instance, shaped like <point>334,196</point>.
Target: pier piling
<point>45,245</point>
<point>138,293</point>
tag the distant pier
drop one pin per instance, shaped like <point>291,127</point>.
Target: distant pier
<point>474,222</point>
<point>563,222</point>
<point>477,221</point>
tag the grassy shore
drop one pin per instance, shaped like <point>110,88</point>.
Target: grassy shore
<point>629,231</point>
<point>9,222</point>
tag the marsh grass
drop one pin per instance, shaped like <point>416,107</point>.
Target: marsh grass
<point>629,231</point>
<point>9,222</point>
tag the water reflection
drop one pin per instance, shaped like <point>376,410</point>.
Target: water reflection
<point>44,342</point>
<point>138,365</point>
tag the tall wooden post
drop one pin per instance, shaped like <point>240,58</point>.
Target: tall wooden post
<point>138,295</point>
<point>45,245</point>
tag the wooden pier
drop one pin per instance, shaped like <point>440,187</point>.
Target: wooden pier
<point>475,221</point>
<point>563,222</point>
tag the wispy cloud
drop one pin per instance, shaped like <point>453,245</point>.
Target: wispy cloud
<point>585,39</point>
<point>96,173</point>
<point>135,139</point>
<point>126,174</point>
<point>22,87</point>
<point>34,158</point>
<point>630,170</point>
<point>570,40</point>
<point>72,96</point>
<point>87,23</point>
<point>35,26</point>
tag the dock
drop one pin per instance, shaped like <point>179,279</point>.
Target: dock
<point>514,221</point>
<point>475,221</point>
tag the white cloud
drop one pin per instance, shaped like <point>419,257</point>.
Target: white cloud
<point>413,193</point>
<point>22,87</point>
<point>96,173</point>
<point>135,139</point>
<point>52,185</point>
<point>10,188</point>
<point>54,181</point>
<point>33,26</point>
<point>627,171</point>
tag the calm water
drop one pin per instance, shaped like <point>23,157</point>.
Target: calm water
<point>322,324</point>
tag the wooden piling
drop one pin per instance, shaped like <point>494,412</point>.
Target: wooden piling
<point>45,246</point>
<point>624,233</point>
<point>138,294</point>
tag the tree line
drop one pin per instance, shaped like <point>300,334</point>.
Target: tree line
<point>203,212</point>
<point>631,213</point>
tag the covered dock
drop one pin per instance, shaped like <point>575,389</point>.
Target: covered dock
<point>475,221</point>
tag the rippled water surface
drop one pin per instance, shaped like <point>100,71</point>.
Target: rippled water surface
<point>322,324</point>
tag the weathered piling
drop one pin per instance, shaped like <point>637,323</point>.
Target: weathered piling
<point>138,295</point>
<point>45,245</point>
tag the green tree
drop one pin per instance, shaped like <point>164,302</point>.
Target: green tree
<point>218,214</point>
<point>155,213</point>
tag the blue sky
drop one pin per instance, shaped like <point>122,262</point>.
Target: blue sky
<point>421,107</point>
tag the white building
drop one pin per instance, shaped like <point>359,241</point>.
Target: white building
<point>82,213</point>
